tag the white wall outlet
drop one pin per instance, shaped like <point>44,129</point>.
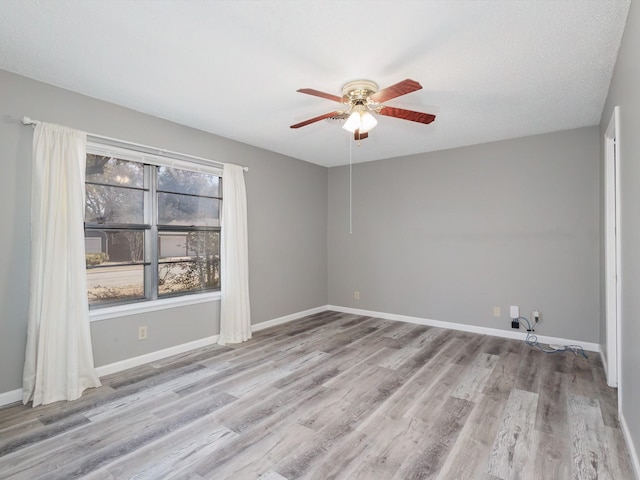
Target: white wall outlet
<point>535,316</point>
<point>497,312</point>
<point>356,295</point>
<point>142,332</point>
<point>514,311</point>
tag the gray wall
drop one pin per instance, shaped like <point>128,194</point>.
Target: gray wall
<point>448,235</point>
<point>625,92</point>
<point>287,202</point>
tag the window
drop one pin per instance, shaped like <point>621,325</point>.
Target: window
<point>152,229</point>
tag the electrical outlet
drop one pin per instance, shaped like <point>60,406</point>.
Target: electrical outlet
<point>497,312</point>
<point>356,295</point>
<point>514,312</point>
<point>142,332</point>
<point>535,316</point>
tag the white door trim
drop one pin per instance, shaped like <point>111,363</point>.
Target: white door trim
<point>612,247</point>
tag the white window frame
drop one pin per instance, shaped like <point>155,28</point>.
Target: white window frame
<point>167,160</point>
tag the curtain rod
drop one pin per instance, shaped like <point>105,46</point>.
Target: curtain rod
<point>159,151</point>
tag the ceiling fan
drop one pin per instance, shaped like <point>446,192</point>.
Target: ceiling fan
<point>361,98</point>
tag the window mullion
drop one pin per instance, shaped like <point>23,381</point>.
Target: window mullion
<point>151,210</point>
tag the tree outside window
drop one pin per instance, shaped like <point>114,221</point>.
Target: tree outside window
<point>150,231</point>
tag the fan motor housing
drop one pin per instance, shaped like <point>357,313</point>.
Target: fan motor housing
<point>358,91</point>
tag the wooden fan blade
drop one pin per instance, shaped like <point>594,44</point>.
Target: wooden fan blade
<point>400,88</point>
<point>315,119</point>
<point>318,93</point>
<point>359,136</point>
<point>407,114</point>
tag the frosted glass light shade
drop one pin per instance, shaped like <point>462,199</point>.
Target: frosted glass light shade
<point>353,122</point>
<point>359,120</point>
<point>368,121</point>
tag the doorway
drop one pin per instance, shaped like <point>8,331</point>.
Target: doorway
<point>612,248</point>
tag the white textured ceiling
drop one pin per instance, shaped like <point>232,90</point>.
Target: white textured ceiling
<point>490,70</point>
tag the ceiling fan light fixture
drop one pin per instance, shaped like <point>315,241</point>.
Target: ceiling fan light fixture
<point>360,120</point>
<point>361,98</point>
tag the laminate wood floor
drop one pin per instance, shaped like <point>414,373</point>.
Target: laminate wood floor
<point>333,396</point>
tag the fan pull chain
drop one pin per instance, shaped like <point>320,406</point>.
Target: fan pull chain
<point>350,186</point>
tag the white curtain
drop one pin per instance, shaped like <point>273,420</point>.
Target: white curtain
<point>235,315</point>
<point>59,358</point>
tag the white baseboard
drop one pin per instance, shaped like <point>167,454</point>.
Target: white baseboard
<point>153,356</point>
<point>633,453</point>
<point>16,395</point>
<point>604,361</point>
<point>203,342</point>
<point>12,396</point>
<point>593,347</point>
<point>288,318</point>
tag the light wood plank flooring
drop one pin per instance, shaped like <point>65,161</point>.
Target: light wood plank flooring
<point>333,396</point>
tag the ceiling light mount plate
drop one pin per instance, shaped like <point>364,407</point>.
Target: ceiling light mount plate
<point>357,91</point>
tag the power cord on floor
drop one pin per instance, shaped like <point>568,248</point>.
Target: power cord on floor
<point>532,341</point>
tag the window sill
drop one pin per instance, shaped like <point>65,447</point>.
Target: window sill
<point>151,306</point>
